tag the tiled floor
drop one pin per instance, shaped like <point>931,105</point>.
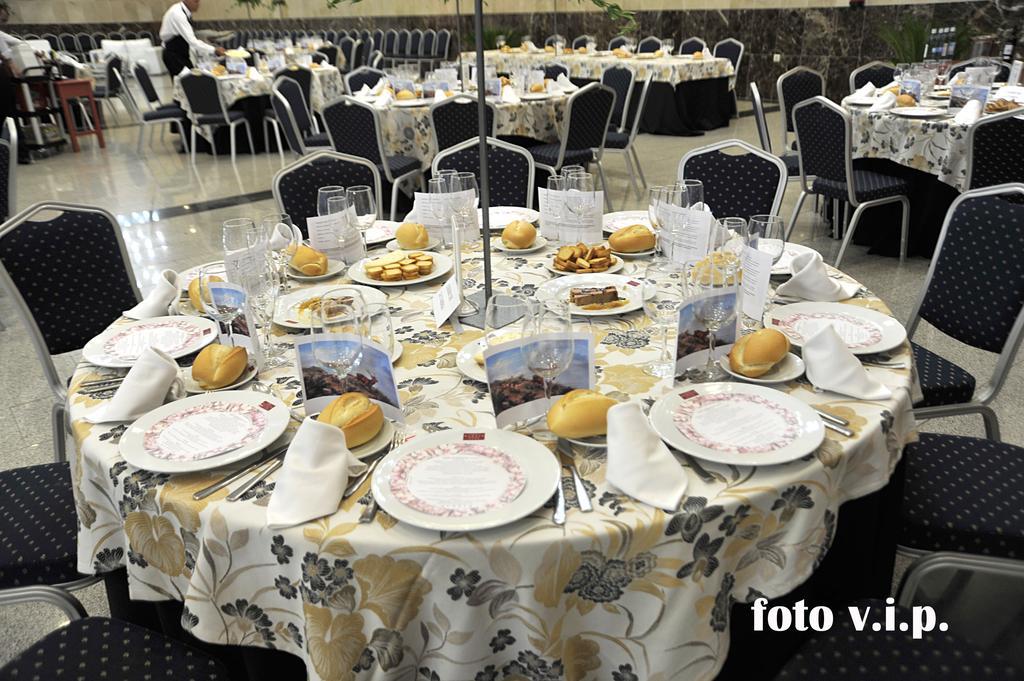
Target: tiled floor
<point>136,187</point>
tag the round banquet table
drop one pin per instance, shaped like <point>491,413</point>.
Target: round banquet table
<point>627,591</point>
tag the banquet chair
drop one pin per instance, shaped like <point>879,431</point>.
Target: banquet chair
<point>86,43</point>
<point>443,43</point>
<point>173,116</point>
<point>790,158</point>
<point>622,140</point>
<point>454,120</point>
<point>376,60</point>
<point>581,41</point>
<point>427,45</point>
<point>53,40</point>
<point>116,35</point>
<point>823,134</point>
<point>364,75</point>
<point>794,86</point>
<point>402,45</point>
<point>974,293</point>
<point>620,79</point>
<point>510,169</point>
<point>740,185</point>
<point>617,42</point>
<point>649,44</point>
<point>390,44</point>
<point>555,69</point>
<point>68,43</point>
<point>303,75</point>
<point>995,150</point>
<point>330,53</point>
<point>147,35</point>
<point>110,89</point>
<point>146,83</point>
<point>103,648</point>
<point>295,186</point>
<point>1001,76</point>
<point>552,39</point>
<point>131,35</point>
<point>587,115</point>
<point>355,128</point>
<point>878,73</point>
<point>208,111</point>
<point>691,45</point>
<point>415,41</point>
<point>378,39</point>
<point>731,49</point>
<point>294,118</point>
<point>347,46</point>
<point>8,167</point>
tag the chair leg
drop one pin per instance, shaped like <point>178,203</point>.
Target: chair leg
<point>248,134</point>
<point>394,200</point>
<point>848,237</point>
<point>991,423</point>
<point>836,232</point>
<point>142,135</point>
<point>796,213</point>
<point>632,180</point>
<point>905,231</point>
<point>233,129</point>
<point>639,168</point>
<point>277,136</point>
<point>213,139</point>
<point>58,417</point>
<point>181,134</point>
<point>604,188</point>
<point>193,144</point>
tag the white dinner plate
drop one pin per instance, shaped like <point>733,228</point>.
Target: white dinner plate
<point>789,368</point>
<point>860,100</point>
<point>287,312</point>
<point>465,480</point>
<point>595,441</point>
<point>442,266</point>
<point>917,111</point>
<point>409,103</point>
<point>119,346</point>
<point>334,268</point>
<point>465,360</point>
<point>538,244</point>
<point>204,431</point>
<point>381,232</point>
<point>536,96</point>
<point>615,267</point>
<point>791,250</point>
<point>737,424</point>
<point>501,216</point>
<point>864,331</point>
<point>432,243</point>
<point>192,386</point>
<point>638,254</point>
<point>613,222</point>
<point>556,291</point>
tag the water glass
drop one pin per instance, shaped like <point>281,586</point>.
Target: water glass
<point>568,171</point>
<point>324,194</point>
<point>579,202</point>
<point>342,311</point>
<point>549,351</point>
<point>501,315</point>
<point>223,309</point>
<point>668,281</point>
<point>691,194</point>
<point>380,329</point>
<point>363,204</point>
<point>440,210</point>
<point>717,280</point>
<point>767,234</point>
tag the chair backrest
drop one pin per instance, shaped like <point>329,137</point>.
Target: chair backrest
<point>296,185</point>
<point>974,290</point>
<point>415,38</point>
<point>347,46</point>
<point>292,92</point>
<point>68,43</point>
<point>649,44</point>
<point>635,112</point>
<point>131,35</point>
<point>303,75</point>
<point>116,35</point>
<point>552,39</point>
<point>390,41</point>
<point>403,42</point>
<point>113,63</point>
<point>878,73</point>
<point>378,39</point>
<point>147,35</point>
<point>691,45</point>
<point>203,94</point>
<point>53,40</point>
<point>364,75</point>
<point>580,41</point>
<point>823,132</point>
<point>444,41</point>
<point>619,79</point>
<point>510,169</point>
<point>354,129</point>
<point>555,69</point>
<point>365,35</point>
<point>86,43</point>
<point>454,120</point>
<point>759,118</point>
<point>427,44</point>
<point>376,60</point>
<point>995,150</point>
<point>363,50</point>
<point>737,185</point>
<point>98,38</point>
<point>75,280</point>
<point>730,49</point>
<point>795,86</point>
<point>617,42</point>
<point>588,113</point>
<point>330,53</point>
<point>144,81</point>
<point>285,113</point>
<point>8,166</point>
<point>128,98</point>
<point>1001,76</point>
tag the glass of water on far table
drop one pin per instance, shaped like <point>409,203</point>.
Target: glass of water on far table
<point>666,281</point>
<point>363,205</point>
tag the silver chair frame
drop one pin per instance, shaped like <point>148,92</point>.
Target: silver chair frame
<point>211,128</point>
<point>494,142</point>
<point>135,110</point>
<point>780,189</point>
<point>461,99</point>
<point>759,118</point>
<point>984,120</point>
<point>59,412</point>
<point>647,39</point>
<point>362,69</point>
<point>275,184</point>
<point>929,563</point>
<point>782,98</point>
<point>960,65</point>
<point>851,194</point>
<point>629,153</point>
<point>865,67</point>
<point>988,392</point>
<point>734,79</point>
<point>11,142</point>
<point>703,43</point>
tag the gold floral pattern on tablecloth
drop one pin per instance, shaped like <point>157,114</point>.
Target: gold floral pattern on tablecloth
<point>671,69</point>
<point>327,85</point>
<point>625,592</point>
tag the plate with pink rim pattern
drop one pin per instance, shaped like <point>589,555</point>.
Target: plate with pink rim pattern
<point>737,424</point>
<point>864,331</point>
<point>120,345</point>
<point>465,480</point>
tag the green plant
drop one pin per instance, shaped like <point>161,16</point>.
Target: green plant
<point>906,40</point>
<point>513,36</point>
<point>249,5</point>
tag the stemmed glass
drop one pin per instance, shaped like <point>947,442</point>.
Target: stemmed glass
<point>579,200</point>
<point>342,310</point>
<point>691,194</point>
<point>380,329</point>
<point>223,308</point>
<point>263,292</point>
<point>548,349</point>
<point>767,234</point>
<point>715,280</point>
<point>440,208</point>
<point>363,204</point>
<point>500,316</point>
<point>667,281</point>
<point>668,45</point>
<point>464,193</point>
<point>323,196</point>
<point>282,239</point>
<point>237,238</point>
<point>351,246</point>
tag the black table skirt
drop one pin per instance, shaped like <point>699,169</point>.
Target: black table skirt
<point>254,109</point>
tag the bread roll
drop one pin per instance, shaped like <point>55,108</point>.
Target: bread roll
<point>905,100</point>
<point>580,413</point>
<point>518,234</point>
<point>358,417</point>
<point>193,292</point>
<point>632,239</point>
<point>219,365</point>
<point>537,87</point>
<point>412,235</point>
<point>755,354</point>
<point>699,54</point>
<point>405,94</point>
<point>309,261</point>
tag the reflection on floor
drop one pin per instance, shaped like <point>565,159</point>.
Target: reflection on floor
<point>171,213</point>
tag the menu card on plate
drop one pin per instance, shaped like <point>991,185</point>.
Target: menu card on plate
<point>693,339</point>
<point>243,328</point>
<point>206,430</point>
<point>517,393</point>
<point>325,234</point>
<point>739,423</point>
<point>370,372</point>
<point>171,336</point>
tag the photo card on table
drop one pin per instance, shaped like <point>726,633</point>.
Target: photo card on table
<point>693,335</point>
<point>243,329</point>
<point>371,375</point>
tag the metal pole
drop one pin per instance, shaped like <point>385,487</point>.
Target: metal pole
<point>485,191</point>
<point>458,37</point>
<point>554,16</point>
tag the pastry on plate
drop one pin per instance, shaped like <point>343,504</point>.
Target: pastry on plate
<point>358,417</point>
<point>219,365</point>
<point>580,413</point>
<point>632,239</point>
<point>755,354</point>
<point>309,261</point>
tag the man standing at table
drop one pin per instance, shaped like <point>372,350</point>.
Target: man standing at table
<point>178,37</point>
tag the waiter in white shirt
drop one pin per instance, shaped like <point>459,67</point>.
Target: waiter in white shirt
<point>178,37</point>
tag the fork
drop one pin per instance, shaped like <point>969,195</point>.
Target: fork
<point>370,512</point>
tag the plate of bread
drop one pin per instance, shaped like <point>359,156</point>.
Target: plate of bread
<point>519,237</point>
<point>763,357</point>
<point>413,236</point>
<point>594,295</point>
<point>298,309</point>
<point>309,264</point>
<point>633,241</point>
<point>218,367</point>
<point>584,259</point>
<point>400,268</point>
<point>581,417</point>
<point>366,430</point>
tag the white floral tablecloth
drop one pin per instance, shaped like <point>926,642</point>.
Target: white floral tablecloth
<point>327,85</point>
<point>935,145</point>
<point>627,592</point>
<point>669,69</point>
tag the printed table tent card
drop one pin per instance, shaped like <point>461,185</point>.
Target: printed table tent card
<point>371,373</point>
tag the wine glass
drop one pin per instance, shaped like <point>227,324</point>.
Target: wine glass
<point>323,196</point>
<point>579,201</point>
<point>569,171</point>
<point>283,239</point>
<point>440,208</point>
<point>900,71</point>
<point>667,280</point>
<point>363,204</point>
<point>668,45</point>
<point>236,240</point>
<point>223,306</point>
<point>691,194</point>
<point>380,329</point>
<point>462,199</point>
<point>263,292</point>
<point>768,235</point>
<point>715,279</point>
<point>500,316</point>
<point>342,311</point>
<point>549,349</point>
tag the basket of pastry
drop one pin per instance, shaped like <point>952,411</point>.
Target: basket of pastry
<point>584,259</point>
<point>399,266</point>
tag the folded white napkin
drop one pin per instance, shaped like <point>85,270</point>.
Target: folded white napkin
<point>384,100</point>
<point>552,87</point>
<point>831,366</point>
<point>708,54</point>
<point>439,95</point>
<point>884,103</point>
<point>379,87</point>
<point>639,463</point>
<point>159,299</point>
<point>970,114</point>
<point>144,388</point>
<point>810,281</point>
<point>281,238</point>
<point>566,84</point>
<point>530,45</point>
<point>867,90</point>
<point>509,96</point>
<point>365,91</point>
<point>314,475</point>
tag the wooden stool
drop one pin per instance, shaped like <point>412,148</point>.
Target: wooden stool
<point>78,88</point>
